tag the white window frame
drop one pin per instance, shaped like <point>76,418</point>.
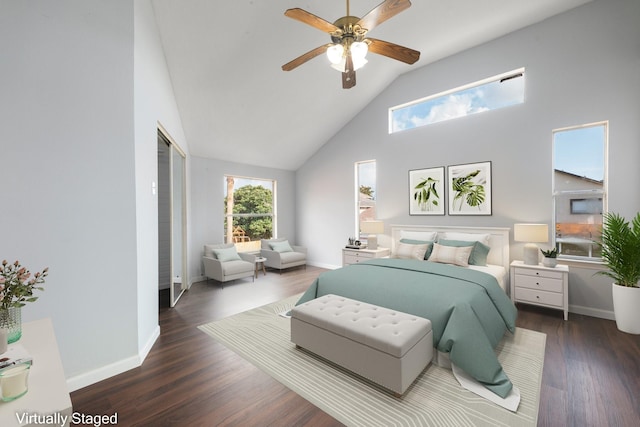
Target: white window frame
<point>273,213</point>
<point>357,193</point>
<point>580,193</point>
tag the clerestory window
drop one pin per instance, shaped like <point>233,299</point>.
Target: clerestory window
<point>489,94</point>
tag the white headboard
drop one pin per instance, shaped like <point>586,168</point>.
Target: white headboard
<point>498,239</point>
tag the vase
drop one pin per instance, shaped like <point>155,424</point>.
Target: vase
<point>11,320</point>
<point>549,262</point>
<point>625,307</point>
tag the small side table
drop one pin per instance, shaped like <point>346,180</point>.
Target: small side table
<point>260,264</point>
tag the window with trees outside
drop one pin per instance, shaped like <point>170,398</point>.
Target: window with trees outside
<point>365,194</point>
<point>249,211</point>
<point>579,189</point>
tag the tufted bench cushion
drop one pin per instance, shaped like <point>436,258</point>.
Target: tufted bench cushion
<point>389,347</point>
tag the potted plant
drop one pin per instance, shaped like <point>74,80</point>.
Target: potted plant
<point>620,243</point>
<point>16,289</point>
<point>550,257</point>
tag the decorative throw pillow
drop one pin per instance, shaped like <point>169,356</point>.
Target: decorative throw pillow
<point>420,242</point>
<point>409,251</point>
<point>467,237</point>
<point>457,255</point>
<point>479,252</point>
<point>226,254</point>
<point>281,247</point>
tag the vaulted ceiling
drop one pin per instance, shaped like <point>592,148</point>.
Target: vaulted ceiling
<point>236,103</point>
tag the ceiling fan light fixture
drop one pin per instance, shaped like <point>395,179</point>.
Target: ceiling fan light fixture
<point>335,54</point>
<point>358,54</point>
<point>340,65</point>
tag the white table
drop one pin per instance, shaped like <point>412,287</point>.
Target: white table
<point>260,265</point>
<point>48,393</point>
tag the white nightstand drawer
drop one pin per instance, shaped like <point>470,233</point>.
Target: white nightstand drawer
<point>539,297</point>
<point>539,273</point>
<point>354,259</point>
<point>354,256</point>
<point>539,283</point>
<point>357,254</point>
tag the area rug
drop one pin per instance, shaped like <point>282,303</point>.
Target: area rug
<point>262,337</point>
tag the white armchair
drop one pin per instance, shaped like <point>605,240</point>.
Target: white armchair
<point>280,254</point>
<point>223,263</point>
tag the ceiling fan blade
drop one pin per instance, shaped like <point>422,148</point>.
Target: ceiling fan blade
<point>393,50</point>
<point>310,19</point>
<point>349,75</point>
<point>385,10</point>
<point>305,57</point>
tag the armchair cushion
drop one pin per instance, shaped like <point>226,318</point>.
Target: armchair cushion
<point>281,247</point>
<point>227,254</point>
<point>208,249</point>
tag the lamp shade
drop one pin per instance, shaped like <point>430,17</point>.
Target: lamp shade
<point>531,233</point>
<point>372,227</point>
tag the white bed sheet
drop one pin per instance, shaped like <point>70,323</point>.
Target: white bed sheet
<point>497,271</point>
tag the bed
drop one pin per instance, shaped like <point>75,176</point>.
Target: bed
<point>467,304</point>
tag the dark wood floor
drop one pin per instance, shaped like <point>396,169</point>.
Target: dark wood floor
<point>591,371</point>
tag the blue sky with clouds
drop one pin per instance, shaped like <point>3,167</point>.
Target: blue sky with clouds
<point>459,103</point>
<point>580,151</point>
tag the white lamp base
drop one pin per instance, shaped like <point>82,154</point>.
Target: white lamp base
<point>531,256</point>
<point>372,241</point>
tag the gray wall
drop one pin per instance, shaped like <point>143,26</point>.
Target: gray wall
<point>84,86</point>
<point>68,171</point>
<point>207,196</point>
<point>582,66</point>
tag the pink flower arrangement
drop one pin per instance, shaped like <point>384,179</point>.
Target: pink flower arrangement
<point>17,285</point>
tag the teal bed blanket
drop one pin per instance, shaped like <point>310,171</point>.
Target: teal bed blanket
<point>469,312</point>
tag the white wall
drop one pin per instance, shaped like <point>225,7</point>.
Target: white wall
<point>582,66</point>
<point>82,95</point>
<point>68,171</point>
<point>154,104</point>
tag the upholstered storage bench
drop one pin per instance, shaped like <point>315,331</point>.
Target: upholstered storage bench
<point>386,346</point>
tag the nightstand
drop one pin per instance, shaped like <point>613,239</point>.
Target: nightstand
<point>354,256</point>
<point>540,285</point>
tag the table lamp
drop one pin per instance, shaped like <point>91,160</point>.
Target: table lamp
<point>531,234</point>
<point>372,228</point>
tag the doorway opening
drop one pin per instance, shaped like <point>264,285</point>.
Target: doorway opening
<point>172,225</point>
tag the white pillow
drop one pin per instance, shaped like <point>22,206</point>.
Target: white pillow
<point>419,235</point>
<point>457,255</point>
<point>407,251</point>
<point>467,237</point>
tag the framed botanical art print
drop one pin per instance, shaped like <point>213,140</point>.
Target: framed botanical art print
<point>426,191</point>
<point>469,188</point>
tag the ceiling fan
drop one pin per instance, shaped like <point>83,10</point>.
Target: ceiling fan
<point>349,44</point>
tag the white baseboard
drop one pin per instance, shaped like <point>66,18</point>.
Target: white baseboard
<point>322,265</point>
<point>144,351</point>
<point>88,378</point>
<point>593,312</point>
